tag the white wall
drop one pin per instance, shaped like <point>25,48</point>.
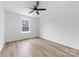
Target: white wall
<point>13,29</point>
<point>2,26</point>
<point>60,23</point>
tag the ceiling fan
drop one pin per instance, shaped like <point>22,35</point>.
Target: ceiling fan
<point>35,8</point>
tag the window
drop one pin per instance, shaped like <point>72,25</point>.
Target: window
<point>25,26</point>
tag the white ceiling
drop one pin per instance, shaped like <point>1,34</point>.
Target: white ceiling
<point>19,7</point>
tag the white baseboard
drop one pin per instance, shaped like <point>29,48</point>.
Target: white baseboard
<point>59,43</point>
<point>19,39</point>
<point>2,47</point>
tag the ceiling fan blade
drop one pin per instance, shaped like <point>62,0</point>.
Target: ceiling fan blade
<point>31,11</point>
<point>37,12</point>
<point>37,3</point>
<point>41,9</point>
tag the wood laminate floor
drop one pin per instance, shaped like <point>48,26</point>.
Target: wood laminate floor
<point>37,47</point>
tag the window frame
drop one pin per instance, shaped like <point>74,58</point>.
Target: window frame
<point>22,25</point>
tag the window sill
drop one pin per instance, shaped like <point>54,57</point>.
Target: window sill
<point>25,32</point>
